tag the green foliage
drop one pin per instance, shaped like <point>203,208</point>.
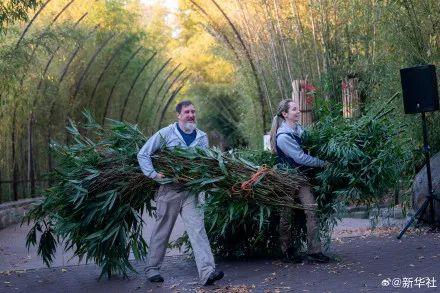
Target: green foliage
<point>97,201</point>
<point>69,46</point>
<point>221,113</point>
<point>14,10</point>
<point>99,193</point>
<point>369,157</point>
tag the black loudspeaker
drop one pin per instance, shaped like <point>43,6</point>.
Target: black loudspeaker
<point>419,86</point>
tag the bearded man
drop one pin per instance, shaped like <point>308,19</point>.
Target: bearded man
<point>171,200</point>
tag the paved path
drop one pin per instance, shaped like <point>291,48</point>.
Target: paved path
<point>362,264</point>
<point>15,256</point>
<point>363,259</point>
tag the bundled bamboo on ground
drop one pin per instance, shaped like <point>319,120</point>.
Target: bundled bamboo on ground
<point>95,206</point>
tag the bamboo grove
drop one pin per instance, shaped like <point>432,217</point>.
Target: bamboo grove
<point>66,57</point>
<point>236,59</point>
<point>273,42</point>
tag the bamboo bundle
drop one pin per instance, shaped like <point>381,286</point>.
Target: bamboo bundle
<point>100,193</point>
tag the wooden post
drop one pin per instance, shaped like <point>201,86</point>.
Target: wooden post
<point>303,96</point>
<point>350,98</point>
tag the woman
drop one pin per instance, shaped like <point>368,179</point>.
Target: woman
<point>285,139</point>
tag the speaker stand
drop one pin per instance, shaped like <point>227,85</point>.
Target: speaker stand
<point>429,201</point>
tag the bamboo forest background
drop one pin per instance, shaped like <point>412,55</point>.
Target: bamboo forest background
<point>132,61</point>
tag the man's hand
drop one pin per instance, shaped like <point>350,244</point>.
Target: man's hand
<point>159,176</point>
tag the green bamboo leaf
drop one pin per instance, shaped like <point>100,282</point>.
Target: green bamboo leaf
<point>221,164</point>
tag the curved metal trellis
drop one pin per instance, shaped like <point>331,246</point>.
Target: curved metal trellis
<point>31,119</point>
<point>31,22</point>
<point>149,87</point>
<point>133,84</point>
<point>107,65</point>
<point>89,65</point>
<point>247,53</point>
<point>49,62</point>
<point>116,82</point>
<point>40,36</point>
<point>219,30</point>
<point>168,89</point>
<point>171,98</point>
<point>163,84</point>
<point>66,68</point>
<point>61,12</point>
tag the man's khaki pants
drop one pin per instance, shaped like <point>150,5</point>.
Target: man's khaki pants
<point>313,243</point>
<point>169,203</point>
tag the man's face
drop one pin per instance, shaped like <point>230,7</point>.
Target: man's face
<point>187,115</point>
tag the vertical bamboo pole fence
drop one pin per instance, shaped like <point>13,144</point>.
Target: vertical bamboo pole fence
<point>350,98</point>
<point>303,96</point>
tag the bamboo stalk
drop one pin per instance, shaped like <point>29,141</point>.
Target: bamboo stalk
<point>251,62</point>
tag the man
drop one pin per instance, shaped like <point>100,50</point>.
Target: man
<point>171,200</point>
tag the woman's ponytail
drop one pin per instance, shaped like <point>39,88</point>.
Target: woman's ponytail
<point>283,106</point>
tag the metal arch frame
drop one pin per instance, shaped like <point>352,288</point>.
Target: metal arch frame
<point>107,65</point>
<point>164,82</point>
<point>219,30</point>
<point>89,65</point>
<point>75,52</point>
<point>166,92</point>
<point>31,120</point>
<point>171,98</point>
<point>31,22</point>
<point>167,77</point>
<point>168,88</point>
<point>149,87</point>
<point>49,62</point>
<point>251,62</point>
<point>34,49</point>
<point>51,112</point>
<point>61,12</point>
<point>116,82</point>
<point>261,97</point>
<point>31,171</point>
<point>133,84</point>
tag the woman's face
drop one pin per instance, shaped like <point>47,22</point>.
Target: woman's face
<point>293,115</point>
